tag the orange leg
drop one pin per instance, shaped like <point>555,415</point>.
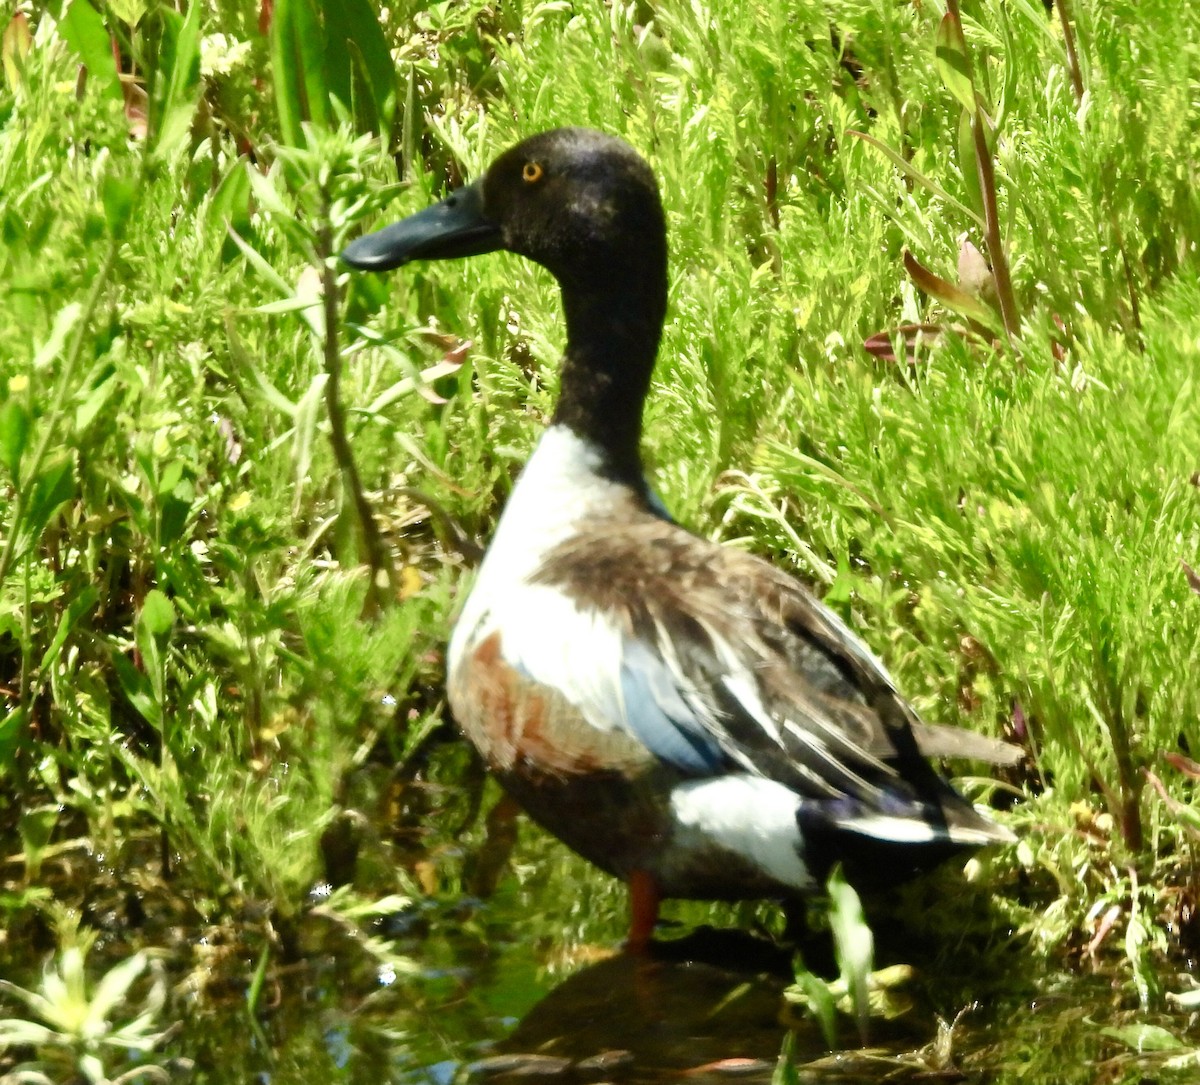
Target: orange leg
<point>643,911</point>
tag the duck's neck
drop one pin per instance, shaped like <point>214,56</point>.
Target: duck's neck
<point>612,340</point>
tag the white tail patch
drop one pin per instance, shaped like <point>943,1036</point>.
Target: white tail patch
<point>749,816</point>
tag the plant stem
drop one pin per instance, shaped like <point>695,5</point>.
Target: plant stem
<point>991,209</point>
<point>376,551</point>
<point>1064,15</point>
<point>25,688</point>
<point>995,238</point>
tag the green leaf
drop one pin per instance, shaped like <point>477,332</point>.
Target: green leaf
<point>137,689</point>
<point>118,194</point>
<point>114,985</point>
<point>853,944</point>
<point>242,357</point>
<point>230,205</point>
<point>158,613</point>
<point>37,826</point>
<point>359,62</point>
<point>968,163</point>
<point>14,436</point>
<point>16,1032</point>
<point>54,486</point>
<point>1144,1039</point>
<point>64,320</point>
<point>262,265</point>
<point>129,12</point>
<point>289,99</point>
<point>76,609</point>
<point>86,412</point>
<point>169,478</point>
<point>785,1072</point>
<point>12,729</point>
<point>953,65</point>
<point>183,82</point>
<point>1008,91</point>
<point>952,296</point>
<point>308,415</point>
<point>814,992</point>
<point>1137,952</point>
<point>254,992</point>
<point>85,32</point>
<point>294,304</point>
<point>1187,1000</point>
<point>298,68</point>
<point>910,170</point>
<point>154,622</point>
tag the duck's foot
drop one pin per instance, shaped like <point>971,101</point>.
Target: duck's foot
<point>644,900</point>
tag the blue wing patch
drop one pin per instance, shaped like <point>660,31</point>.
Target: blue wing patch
<point>659,716</point>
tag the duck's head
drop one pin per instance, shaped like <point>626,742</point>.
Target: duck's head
<point>581,203</point>
<point>584,205</point>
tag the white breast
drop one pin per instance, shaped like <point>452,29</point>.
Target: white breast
<point>559,487</point>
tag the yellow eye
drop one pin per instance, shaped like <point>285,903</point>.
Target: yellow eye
<point>532,172</point>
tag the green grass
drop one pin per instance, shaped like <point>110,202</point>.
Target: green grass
<point>188,640</point>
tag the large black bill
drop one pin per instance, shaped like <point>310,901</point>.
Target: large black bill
<point>453,228</point>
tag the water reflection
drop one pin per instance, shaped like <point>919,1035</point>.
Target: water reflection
<point>709,1007</point>
<point>711,1001</point>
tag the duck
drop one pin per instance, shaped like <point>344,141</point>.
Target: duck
<point>686,716</point>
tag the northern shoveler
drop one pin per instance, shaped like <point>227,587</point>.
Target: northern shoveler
<point>684,715</point>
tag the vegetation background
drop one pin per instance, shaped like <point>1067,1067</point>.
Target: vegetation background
<point>933,344</point>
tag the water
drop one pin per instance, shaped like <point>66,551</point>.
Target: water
<point>526,986</point>
<point>523,982</point>
<point>710,1009</point>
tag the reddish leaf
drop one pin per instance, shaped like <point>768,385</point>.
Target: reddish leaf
<point>951,296</point>
<point>735,1066</point>
<point>1103,929</point>
<point>457,354</point>
<point>1183,764</point>
<point>1020,725</point>
<point>882,344</point>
